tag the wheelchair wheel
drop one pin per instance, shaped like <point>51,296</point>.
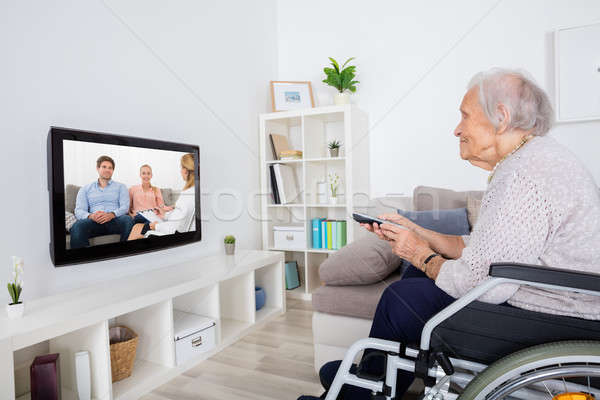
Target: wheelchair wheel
<point>548,371</point>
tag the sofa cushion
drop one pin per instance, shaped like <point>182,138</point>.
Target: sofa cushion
<point>71,197</point>
<point>361,262</point>
<point>473,206</point>
<point>449,222</point>
<point>353,301</point>
<point>432,198</point>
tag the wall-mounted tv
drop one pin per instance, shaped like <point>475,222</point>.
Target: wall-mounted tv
<point>113,196</point>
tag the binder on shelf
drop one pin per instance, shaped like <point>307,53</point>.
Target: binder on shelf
<point>323,233</point>
<point>329,236</point>
<point>334,234</point>
<point>286,183</point>
<point>316,233</point>
<point>274,190</point>
<point>341,234</point>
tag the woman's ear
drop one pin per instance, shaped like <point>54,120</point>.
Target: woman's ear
<point>503,118</point>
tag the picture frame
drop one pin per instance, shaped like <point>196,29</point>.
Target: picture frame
<point>291,95</point>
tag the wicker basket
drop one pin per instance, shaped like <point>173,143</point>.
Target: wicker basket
<point>123,344</point>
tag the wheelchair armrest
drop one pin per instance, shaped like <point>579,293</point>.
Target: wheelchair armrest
<point>551,276</point>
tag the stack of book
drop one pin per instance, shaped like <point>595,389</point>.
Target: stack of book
<point>328,234</point>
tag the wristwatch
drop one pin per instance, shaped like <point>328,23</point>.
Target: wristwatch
<point>427,260</point>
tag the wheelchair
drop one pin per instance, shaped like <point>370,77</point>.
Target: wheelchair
<point>473,350</point>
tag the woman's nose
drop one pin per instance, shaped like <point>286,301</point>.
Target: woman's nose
<point>457,131</point>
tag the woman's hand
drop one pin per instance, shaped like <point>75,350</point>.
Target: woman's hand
<point>398,219</point>
<point>153,225</point>
<point>406,244</point>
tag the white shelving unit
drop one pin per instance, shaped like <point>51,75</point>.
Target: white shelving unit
<point>310,130</point>
<point>220,287</point>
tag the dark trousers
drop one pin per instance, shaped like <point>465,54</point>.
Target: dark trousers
<point>404,308</point>
<point>85,229</point>
<point>138,219</point>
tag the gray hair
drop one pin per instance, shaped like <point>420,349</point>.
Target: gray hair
<point>528,105</point>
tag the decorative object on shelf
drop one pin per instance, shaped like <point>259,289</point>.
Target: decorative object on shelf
<point>291,95</point>
<point>260,296</point>
<point>334,148</point>
<point>289,237</point>
<point>16,308</point>
<point>194,334</point>
<point>334,183</point>
<point>44,375</point>
<point>82,375</point>
<point>342,79</point>
<point>229,245</point>
<point>123,345</point>
<point>322,192</point>
<point>287,155</point>
<point>292,280</point>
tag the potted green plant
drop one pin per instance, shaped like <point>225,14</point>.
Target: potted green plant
<point>229,244</point>
<point>16,308</point>
<point>334,148</point>
<point>342,79</point>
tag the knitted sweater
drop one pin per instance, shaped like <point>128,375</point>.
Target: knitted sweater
<point>541,207</point>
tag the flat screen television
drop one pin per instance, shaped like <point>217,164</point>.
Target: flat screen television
<point>114,196</point>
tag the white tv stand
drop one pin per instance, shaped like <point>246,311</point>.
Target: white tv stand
<point>221,287</point>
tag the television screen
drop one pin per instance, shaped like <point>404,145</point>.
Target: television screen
<point>116,195</point>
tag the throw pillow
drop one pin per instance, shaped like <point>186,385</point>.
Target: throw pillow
<point>361,262</point>
<point>449,222</point>
<point>69,220</point>
<point>473,206</point>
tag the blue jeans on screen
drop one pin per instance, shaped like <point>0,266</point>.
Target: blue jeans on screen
<point>85,229</point>
<point>401,314</point>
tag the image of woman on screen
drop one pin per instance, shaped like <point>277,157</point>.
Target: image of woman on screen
<point>145,198</point>
<point>181,217</point>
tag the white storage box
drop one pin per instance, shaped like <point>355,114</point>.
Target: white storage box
<point>289,237</point>
<point>194,334</point>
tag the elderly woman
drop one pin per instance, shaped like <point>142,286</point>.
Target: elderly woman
<point>541,207</point>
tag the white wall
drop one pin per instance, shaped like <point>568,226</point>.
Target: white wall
<point>80,164</point>
<point>414,60</point>
<point>187,71</point>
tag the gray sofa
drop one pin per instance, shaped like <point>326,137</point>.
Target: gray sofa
<point>343,313</point>
<point>170,196</point>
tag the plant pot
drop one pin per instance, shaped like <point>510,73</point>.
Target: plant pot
<point>334,152</point>
<point>229,248</point>
<point>15,311</point>
<point>333,200</point>
<point>341,98</point>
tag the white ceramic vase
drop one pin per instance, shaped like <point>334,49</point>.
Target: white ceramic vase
<point>229,248</point>
<point>341,98</point>
<point>15,311</point>
<point>333,200</point>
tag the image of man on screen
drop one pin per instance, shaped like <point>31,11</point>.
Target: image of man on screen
<point>101,207</point>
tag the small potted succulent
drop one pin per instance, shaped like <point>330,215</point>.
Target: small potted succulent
<point>334,148</point>
<point>229,244</point>
<point>334,183</point>
<point>16,308</point>
<point>342,79</point>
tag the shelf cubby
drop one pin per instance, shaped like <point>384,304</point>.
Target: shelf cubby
<point>237,305</point>
<point>204,302</point>
<point>270,280</point>
<point>93,339</point>
<point>155,350</point>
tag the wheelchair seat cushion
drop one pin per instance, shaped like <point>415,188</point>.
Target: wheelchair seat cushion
<point>484,332</point>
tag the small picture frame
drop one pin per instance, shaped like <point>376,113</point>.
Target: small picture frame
<point>291,95</point>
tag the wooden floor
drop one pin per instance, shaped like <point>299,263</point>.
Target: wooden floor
<point>274,362</point>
